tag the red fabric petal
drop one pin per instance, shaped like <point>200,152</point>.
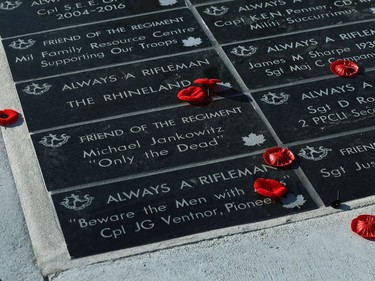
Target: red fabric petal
<point>206,81</point>
<point>364,225</point>
<point>269,188</point>
<point>278,157</point>
<point>8,117</point>
<point>344,68</point>
<point>193,94</point>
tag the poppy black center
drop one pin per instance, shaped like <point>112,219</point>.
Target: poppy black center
<point>4,116</point>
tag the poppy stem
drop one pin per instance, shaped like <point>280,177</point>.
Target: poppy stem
<point>336,203</point>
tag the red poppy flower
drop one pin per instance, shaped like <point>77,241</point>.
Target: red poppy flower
<point>8,117</point>
<point>278,157</point>
<point>269,188</point>
<point>193,94</point>
<point>344,68</point>
<point>364,225</point>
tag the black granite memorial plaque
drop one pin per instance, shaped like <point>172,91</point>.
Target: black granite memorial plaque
<point>102,44</point>
<point>22,17</point>
<point>128,165</point>
<point>171,205</point>
<point>112,91</point>
<point>248,19</point>
<point>319,109</point>
<point>146,142</point>
<point>345,163</point>
<point>295,57</point>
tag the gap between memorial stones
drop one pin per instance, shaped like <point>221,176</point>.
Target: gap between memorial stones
<point>298,32</point>
<point>232,70</point>
<point>370,69</point>
<point>299,82</point>
<point>332,136</point>
<point>94,22</point>
<point>114,65</point>
<point>309,188</point>
<point>304,81</point>
<point>119,116</point>
<point>211,2</point>
<point>159,171</point>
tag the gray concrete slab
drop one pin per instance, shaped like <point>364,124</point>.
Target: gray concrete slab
<point>17,261</point>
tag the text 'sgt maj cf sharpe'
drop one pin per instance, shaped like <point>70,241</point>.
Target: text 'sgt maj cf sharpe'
<point>18,17</point>
<point>292,58</point>
<point>103,44</point>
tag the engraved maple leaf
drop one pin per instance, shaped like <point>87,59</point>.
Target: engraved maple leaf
<point>192,41</point>
<point>254,139</point>
<point>221,87</point>
<point>224,84</point>
<point>292,201</point>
